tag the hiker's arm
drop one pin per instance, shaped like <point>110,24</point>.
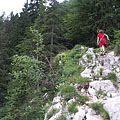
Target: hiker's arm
<point>98,40</point>
<point>107,37</point>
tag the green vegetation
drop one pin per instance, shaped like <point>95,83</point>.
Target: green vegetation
<point>98,107</point>
<point>113,78</point>
<point>95,76</point>
<point>100,92</point>
<point>82,99</point>
<point>29,42</point>
<point>78,79</point>
<point>101,71</point>
<point>68,91</point>
<point>89,56</point>
<point>62,117</point>
<point>72,108</point>
<point>52,112</point>
<point>117,46</point>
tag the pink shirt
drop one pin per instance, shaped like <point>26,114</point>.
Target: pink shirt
<point>103,41</point>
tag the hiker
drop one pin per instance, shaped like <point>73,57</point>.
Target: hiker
<point>101,41</point>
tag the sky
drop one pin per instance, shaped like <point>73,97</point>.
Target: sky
<point>16,6</point>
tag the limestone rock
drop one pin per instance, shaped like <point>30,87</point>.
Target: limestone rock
<point>86,73</point>
<point>112,106</point>
<point>106,86</point>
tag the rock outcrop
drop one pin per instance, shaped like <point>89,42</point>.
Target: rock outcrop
<point>101,89</point>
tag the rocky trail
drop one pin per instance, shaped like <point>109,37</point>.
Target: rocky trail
<point>102,89</point>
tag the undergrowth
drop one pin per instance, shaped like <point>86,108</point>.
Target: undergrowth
<point>72,108</point>
<point>113,78</point>
<point>98,107</point>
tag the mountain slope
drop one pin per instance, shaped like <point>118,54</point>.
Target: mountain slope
<point>90,89</point>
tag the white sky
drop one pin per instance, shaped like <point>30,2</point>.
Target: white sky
<point>16,6</point>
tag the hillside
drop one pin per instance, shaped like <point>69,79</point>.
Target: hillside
<point>89,88</point>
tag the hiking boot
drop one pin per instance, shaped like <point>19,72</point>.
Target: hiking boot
<point>101,54</point>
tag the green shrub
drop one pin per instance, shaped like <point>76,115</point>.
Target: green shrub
<point>78,79</point>
<point>36,115</point>
<point>100,92</point>
<point>98,107</point>
<point>113,78</point>
<point>82,99</point>
<point>68,91</point>
<point>62,117</point>
<point>101,71</point>
<point>117,49</point>
<point>52,112</point>
<point>95,76</point>
<point>89,56</point>
<point>72,108</point>
<point>117,39</point>
<point>71,69</point>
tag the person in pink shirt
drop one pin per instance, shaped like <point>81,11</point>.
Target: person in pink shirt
<point>101,41</point>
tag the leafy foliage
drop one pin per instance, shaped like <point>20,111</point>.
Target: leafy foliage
<point>68,92</point>
<point>100,92</point>
<point>62,117</point>
<point>72,108</point>
<point>31,39</point>
<point>99,108</point>
<point>113,78</point>
<point>27,73</point>
<point>117,46</point>
<point>52,112</point>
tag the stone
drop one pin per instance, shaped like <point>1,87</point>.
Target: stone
<point>106,72</point>
<point>85,57</point>
<point>91,91</point>
<point>91,117</point>
<point>112,106</point>
<point>106,86</point>
<point>86,73</point>
<point>117,70</point>
<point>80,114</point>
<point>56,99</point>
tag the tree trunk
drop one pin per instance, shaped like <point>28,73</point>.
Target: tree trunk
<point>51,49</point>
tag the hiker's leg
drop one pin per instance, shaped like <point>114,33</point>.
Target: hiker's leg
<point>103,48</point>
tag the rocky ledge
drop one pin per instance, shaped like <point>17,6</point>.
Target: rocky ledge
<point>104,89</point>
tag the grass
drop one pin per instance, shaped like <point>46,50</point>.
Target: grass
<point>95,76</point>
<point>78,79</point>
<point>113,78</point>
<point>62,117</point>
<point>98,107</point>
<point>52,112</point>
<point>71,69</point>
<point>82,99</point>
<point>68,92</point>
<point>72,108</point>
<point>89,56</point>
<point>101,71</point>
<point>100,92</point>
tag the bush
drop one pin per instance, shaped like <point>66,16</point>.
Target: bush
<point>98,107</point>
<point>62,117</point>
<point>82,99</point>
<point>113,78</point>
<point>52,112</point>
<point>72,108</point>
<point>78,79</point>
<point>117,39</point>
<point>89,56</point>
<point>100,92</point>
<point>68,91</point>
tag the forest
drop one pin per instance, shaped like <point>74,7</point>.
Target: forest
<point>29,41</point>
